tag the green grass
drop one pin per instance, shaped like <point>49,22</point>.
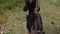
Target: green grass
<point>50,13</point>
<point>57,4</point>
<point>11,3</point>
<point>16,18</point>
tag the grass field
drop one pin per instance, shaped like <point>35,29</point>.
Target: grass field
<point>13,18</point>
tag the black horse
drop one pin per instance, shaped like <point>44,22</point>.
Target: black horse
<point>33,18</point>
